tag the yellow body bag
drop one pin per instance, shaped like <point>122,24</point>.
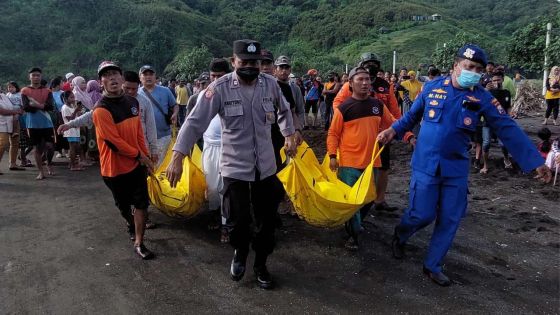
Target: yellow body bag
<point>319,197</point>
<point>187,198</point>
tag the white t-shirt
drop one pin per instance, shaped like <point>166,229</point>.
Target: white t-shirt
<point>69,111</point>
<point>6,121</point>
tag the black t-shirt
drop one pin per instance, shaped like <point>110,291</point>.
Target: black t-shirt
<point>275,134</point>
<point>503,97</point>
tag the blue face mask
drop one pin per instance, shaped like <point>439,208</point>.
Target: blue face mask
<point>468,79</point>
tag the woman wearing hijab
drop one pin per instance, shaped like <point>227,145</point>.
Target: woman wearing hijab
<point>552,95</point>
<point>89,145</point>
<point>94,91</point>
<point>80,92</point>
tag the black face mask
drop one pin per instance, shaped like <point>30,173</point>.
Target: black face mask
<point>248,74</point>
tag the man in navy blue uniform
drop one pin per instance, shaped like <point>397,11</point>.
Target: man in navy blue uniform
<point>450,107</point>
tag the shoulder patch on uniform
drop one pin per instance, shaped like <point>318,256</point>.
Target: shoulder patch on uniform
<point>442,91</point>
<point>498,106</point>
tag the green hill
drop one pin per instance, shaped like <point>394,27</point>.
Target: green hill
<point>63,36</point>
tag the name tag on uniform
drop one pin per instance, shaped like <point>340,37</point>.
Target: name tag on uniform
<point>233,108</point>
<point>437,96</point>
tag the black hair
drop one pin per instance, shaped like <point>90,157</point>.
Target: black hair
<point>173,80</point>
<point>219,65</point>
<point>490,63</point>
<point>55,82</point>
<point>544,134</point>
<point>434,72</point>
<point>64,96</point>
<point>498,74</point>
<point>131,76</point>
<point>14,84</point>
<point>44,82</point>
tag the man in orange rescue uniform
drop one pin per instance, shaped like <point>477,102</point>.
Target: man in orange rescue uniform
<point>354,128</point>
<point>122,153</point>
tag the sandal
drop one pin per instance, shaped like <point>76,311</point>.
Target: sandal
<point>483,171</point>
<point>16,168</point>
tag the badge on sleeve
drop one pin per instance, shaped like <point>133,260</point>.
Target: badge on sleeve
<point>209,93</point>
<point>501,110</point>
<point>467,121</point>
<point>498,106</point>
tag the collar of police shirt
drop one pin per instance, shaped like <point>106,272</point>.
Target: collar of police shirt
<point>235,81</point>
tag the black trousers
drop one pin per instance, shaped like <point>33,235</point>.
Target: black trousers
<point>552,108</point>
<point>250,212</point>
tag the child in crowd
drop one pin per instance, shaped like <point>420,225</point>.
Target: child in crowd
<point>544,147</point>
<point>69,111</point>
<point>14,95</point>
<point>552,160</point>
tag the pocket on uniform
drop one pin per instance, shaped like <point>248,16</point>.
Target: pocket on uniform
<point>269,113</point>
<point>467,120</point>
<point>233,116</point>
<point>433,114</point>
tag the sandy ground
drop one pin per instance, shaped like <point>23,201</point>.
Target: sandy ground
<point>64,250</point>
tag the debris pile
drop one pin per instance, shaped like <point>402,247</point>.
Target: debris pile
<point>529,98</point>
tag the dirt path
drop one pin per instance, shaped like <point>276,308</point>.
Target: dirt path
<point>64,249</point>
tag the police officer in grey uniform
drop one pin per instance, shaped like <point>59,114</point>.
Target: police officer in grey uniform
<point>246,102</point>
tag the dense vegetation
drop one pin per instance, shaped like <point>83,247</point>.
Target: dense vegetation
<point>63,36</point>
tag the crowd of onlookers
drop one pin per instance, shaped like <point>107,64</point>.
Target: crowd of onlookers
<point>318,91</point>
